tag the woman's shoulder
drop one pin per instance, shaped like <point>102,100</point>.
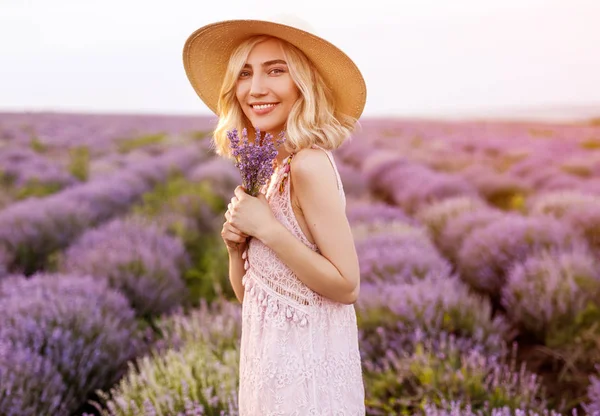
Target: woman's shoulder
<point>310,158</point>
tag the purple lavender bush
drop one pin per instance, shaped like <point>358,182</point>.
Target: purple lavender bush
<point>376,212</point>
<point>552,293</point>
<point>29,173</point>
<point>217,323</point>
<point>85,329</point>
<point>593,392</point>
<point>403,381</point>
<point>399,258</point>
<point>353,181</point>
<point>580,210</point>
<point>34,228</point>
<point>194,377</point>
<point>458,228</point>
<point>421,187</point>
<point>435,216</point>
<point>458,408</point>
<point>412,186</point>
<point>432,306</point>
<point>192,212</point>
<point>136,257</point>
<point>500,190</point>
<point>558,203</point>
<point>30,384</point>
<point>586,221</point>
<point>487,253</point>
<point>193,366</point>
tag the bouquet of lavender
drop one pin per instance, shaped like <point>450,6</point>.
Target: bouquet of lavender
<point>254,160</point>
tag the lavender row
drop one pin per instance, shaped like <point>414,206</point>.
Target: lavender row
<point>99,132</point>
<point>33,228</point>
<point>138,258</point>
<point>61,337</point>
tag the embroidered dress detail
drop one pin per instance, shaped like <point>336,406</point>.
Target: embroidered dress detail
<point>299,351</point>
<point>286,172</point>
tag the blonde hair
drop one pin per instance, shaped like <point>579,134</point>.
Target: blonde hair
<point>313,118</point>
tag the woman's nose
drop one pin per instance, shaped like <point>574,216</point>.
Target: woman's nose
<point>258,87</point>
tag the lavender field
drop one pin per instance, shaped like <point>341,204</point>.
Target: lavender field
<point>479,247</point>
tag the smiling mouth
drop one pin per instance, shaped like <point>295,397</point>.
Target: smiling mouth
<point>263,106</point>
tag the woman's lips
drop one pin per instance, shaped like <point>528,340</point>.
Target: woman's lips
<point>264,110</point>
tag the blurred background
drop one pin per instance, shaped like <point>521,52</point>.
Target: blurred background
<point>527,58</point>
<point>472,186</point>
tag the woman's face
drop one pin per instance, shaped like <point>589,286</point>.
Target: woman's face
<point>265,89</point>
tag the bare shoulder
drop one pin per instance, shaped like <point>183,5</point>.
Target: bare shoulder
<point>313,176</point>
<point>310,163</point>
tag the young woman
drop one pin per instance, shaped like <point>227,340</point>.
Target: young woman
<point>292,259</point>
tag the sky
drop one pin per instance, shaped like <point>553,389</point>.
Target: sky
<point>420,58</point>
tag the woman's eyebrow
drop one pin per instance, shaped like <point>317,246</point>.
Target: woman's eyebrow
<point>267,63</point>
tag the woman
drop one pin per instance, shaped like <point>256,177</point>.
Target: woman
<point>292,259</point>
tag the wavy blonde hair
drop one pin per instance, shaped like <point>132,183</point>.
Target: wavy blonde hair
<point>313,118</point>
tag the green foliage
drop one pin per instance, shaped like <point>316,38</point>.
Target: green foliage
<point>127,145</point>
<point>36,145</point>
<point>444,373</point>
<point>179,195</point>
<point>6,180</point>
<point>191,210</point>
<point>201,134</point>
<point>36,188</point>
<point>168,382</point>
<point>79,162</point>
<point>208,277</point>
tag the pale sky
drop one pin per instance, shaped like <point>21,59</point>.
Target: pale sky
<point>418,57</point>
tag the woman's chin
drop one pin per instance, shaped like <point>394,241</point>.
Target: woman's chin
<point>270,127</point>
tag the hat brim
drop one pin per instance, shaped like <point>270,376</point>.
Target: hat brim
<point>207,51</point>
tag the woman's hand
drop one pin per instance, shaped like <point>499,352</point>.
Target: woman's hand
<point>234,239</point>
<point>252,216</point>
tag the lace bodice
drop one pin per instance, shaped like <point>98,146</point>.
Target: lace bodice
<point>299,351</point>
<point>260,257</point>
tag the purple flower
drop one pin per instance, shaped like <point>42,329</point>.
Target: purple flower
<point>187,371</point>
<point>488,252</point>
<point>593,392</point>
<point>254,159</point>
<point>403,382</point>
<point>558,203</point>
<point>138,258</point>
<point>434,305</point>
<point>411,185</point>
<point>79,324</point>
<point>30,384</point>
<point>399,258</point>
<point>217,323</point>
<point>353,181</point>
<point>33,228</point>
<point>376,212</point>
<point>459,227</point>
<point>435,216</point>
<point>548,292</point>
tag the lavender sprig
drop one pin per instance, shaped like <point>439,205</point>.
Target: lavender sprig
<point>254,160</point>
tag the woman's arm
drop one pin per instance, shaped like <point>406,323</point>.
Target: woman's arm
<point>335,272</point>
<point>236,272</point>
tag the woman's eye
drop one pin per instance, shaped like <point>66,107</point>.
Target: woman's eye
<point>244,73</point>
<point>280,71</point>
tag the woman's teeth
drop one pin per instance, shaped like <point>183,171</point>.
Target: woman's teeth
<point>263,106</point>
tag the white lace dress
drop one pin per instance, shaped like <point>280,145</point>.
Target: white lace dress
<point>299,351</point>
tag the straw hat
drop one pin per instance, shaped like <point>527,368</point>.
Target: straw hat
<point>207,50</point>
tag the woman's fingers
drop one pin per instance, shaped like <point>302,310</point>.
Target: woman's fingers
<point>231,228</point>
